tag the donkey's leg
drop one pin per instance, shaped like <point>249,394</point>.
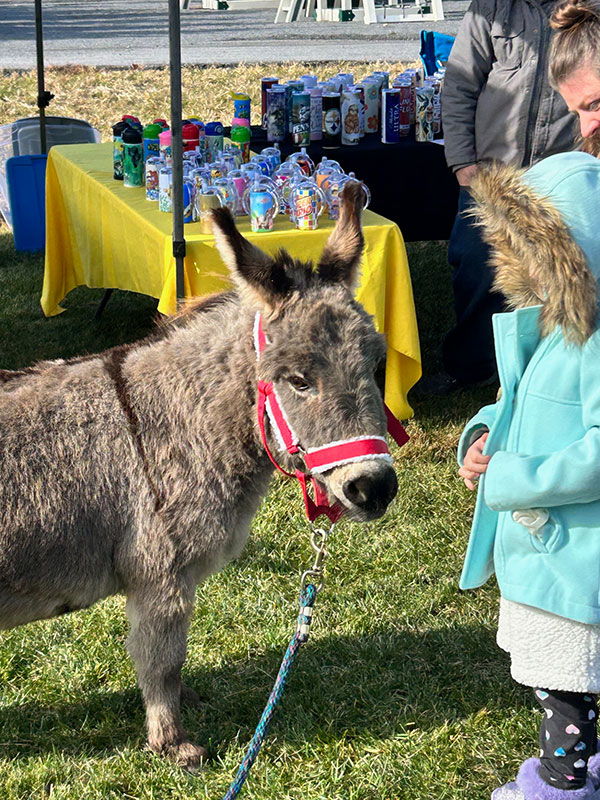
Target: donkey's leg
<point>157,644</point>
<point>190,697</point>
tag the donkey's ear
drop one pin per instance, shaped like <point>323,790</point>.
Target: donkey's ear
<point>253,270</point>
<point>341,257</point>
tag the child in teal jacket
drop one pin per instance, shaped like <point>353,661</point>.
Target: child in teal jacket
<point>536,456</point>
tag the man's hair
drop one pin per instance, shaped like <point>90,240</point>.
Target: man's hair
<point>576,42</point>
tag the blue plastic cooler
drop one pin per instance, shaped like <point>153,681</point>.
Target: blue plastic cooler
<point>26,179</point>
<point>23,170</point>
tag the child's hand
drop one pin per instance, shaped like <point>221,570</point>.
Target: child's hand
<point>475,463</point>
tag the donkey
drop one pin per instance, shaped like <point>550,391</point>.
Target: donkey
<point>138,470</point>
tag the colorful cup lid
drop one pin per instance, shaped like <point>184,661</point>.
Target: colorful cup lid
<point>152,131</point>
<point>190,131</point>
<point>119,127</point>
<point>131,136</point>
<point>240,133</point>
<point>214,128</point>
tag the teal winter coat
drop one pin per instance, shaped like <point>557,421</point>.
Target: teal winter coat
<point>537,517</point>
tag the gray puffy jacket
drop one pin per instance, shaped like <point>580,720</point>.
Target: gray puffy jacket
<point>497,102</point>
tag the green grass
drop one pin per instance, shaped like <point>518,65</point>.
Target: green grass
<point>26,336</point>
<point>401,691</point>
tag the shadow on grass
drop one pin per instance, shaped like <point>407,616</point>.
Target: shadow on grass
<point>27,336</point>
<point>460,406</point>
<point>382,684</point>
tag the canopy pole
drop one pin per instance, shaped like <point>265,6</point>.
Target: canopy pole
<point>44,97</point>
<point>177,146</point>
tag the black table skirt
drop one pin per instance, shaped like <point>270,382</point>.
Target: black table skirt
<point>409,182</point>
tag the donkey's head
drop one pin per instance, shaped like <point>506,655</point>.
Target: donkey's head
<point>321,352</point>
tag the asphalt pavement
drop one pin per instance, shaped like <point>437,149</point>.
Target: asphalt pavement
<point>109,33</point>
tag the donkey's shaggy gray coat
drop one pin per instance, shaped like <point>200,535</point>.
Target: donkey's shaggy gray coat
<point>139,470</point>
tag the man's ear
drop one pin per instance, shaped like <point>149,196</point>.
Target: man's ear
<point>257,275</point>
<point>340,259</point>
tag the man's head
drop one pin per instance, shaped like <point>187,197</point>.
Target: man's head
<point>575,65</point>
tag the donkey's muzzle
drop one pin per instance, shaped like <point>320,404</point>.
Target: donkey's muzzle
<point>372,492</point>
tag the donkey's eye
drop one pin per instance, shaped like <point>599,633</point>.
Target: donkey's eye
<point>298,383</point>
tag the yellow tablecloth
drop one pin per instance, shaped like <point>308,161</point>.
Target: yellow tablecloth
<point>101,234</point>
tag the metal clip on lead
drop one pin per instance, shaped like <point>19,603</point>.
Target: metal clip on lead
<point>315,574</point>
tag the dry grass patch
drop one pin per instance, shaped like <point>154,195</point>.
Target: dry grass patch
<point>102,96</point>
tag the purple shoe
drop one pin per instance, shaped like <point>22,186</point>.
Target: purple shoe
<point>534,788</point>
<point>594,768</point>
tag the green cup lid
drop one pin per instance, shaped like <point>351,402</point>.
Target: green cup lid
<point>151,131</point>
<point>240,133</point>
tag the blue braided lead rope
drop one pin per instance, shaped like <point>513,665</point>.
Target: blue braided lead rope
<point>307,599</point>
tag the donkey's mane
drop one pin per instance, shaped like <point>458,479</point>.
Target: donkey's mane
<point>7,375</point>
<point>191,308</point>
<point>301,272</point>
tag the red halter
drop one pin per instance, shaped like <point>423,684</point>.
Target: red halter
<point>317,459</point>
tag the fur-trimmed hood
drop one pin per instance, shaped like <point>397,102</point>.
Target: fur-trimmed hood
<point>543,226</point>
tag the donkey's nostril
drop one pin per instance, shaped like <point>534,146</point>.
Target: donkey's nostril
<point>357,491</point>
<point>372,492</point>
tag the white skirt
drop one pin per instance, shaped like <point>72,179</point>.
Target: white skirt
<point>549,651</point>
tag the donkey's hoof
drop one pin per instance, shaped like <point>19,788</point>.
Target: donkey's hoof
<point>190,757</point>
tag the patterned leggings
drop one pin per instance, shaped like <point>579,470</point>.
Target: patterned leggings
<point>567,736</point>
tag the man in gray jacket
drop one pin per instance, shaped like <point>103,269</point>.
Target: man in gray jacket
<point>496,104</point>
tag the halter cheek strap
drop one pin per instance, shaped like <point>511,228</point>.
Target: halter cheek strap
<point>316,459</point>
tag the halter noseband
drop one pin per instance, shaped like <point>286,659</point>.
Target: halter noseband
<point>316,459</point>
